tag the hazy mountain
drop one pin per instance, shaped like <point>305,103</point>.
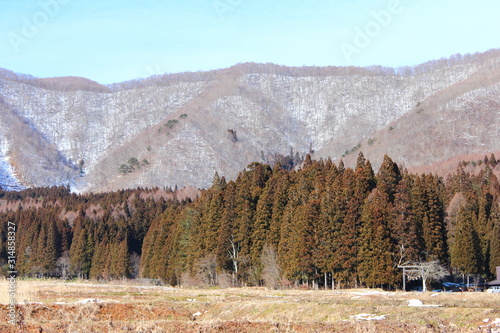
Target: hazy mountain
<point>181,128</point>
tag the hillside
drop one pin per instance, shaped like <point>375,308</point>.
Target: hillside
<point>179,129</point>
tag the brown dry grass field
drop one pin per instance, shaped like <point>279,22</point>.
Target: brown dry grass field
<point>128,306</point>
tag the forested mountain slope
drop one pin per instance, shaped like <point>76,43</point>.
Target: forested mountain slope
<point>179,129</point>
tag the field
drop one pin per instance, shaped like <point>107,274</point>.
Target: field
<point>129,306</point>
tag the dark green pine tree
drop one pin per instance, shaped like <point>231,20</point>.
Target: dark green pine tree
<point>325,234</point>
<point>484,229</point>
<point>335,209</point>
<point>212,219</point>
<point>377,267</point>
<point>465,251</point>
<point>195,249</point>
<point>245,214</point>
<point>388,178</point>
<point>304,248</point>
<point>262,224</point>
<point>406,228</point>
<point>51,247</point>
<point>120,263</point>
<point>289,239</point>
<point>348,237</point>
<point>495,240</point>
<point>139,224</point>
<point>226,233</point>
<point>279,204</point>
<point>365,177</point>
<point>99,267</point>
<point>147,251</point>
<point>433,224</point>
<point>310,254</point>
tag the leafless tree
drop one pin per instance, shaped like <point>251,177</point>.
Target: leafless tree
<point>207,269</point>
<point>62,265</point>
<point>234,255</point>
<point>427,271</point>
<point>271,273</point>
<point>135,261</point>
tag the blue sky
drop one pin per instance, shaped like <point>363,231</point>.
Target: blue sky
<point>117,40</point>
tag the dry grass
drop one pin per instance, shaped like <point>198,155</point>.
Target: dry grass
<point>125,306</point>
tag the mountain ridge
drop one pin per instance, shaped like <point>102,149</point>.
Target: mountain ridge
<point>178,129</point>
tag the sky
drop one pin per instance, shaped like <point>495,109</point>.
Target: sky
<point>118,40</point>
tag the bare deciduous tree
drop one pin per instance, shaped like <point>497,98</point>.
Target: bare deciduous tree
<point>234,254</point>
<point>427,271</point>
<point>207,269</point>
<point>62,265</point>
<point>271,273</point>
<point>135,262</point>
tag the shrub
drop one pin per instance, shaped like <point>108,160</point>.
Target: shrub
<point>171,123</point>
<point>134,162</point>
<point>125,169</point>
<point>353,149</point>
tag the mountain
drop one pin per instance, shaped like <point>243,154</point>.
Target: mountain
<point>179,129</point>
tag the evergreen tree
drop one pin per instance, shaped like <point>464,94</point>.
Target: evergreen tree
<point>495,241</point>
<point>347,248</point>
<point>433,223</point>
<point>388,177</point>
<point>377,248</point>
<point>262,225</point>
<point>465,249</point>
<point>226,232</point>
<point>278,207</point>
<point>406,228</point>
<point>287,244</point>
<point>483,229</point>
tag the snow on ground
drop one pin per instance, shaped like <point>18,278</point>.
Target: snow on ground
<point>8,180</point>
<point>370,292</point>
<point>367,316</point>
<point>418,303</point>
<point>494,326</point>
<point>89,300</point>
<point>93,300</point>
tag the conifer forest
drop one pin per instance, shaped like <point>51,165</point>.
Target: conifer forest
<point>322,224</point>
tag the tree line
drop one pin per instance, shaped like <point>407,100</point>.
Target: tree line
<point>322,225</point>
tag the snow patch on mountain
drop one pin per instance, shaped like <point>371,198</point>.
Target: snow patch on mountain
<point>8,179</point>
